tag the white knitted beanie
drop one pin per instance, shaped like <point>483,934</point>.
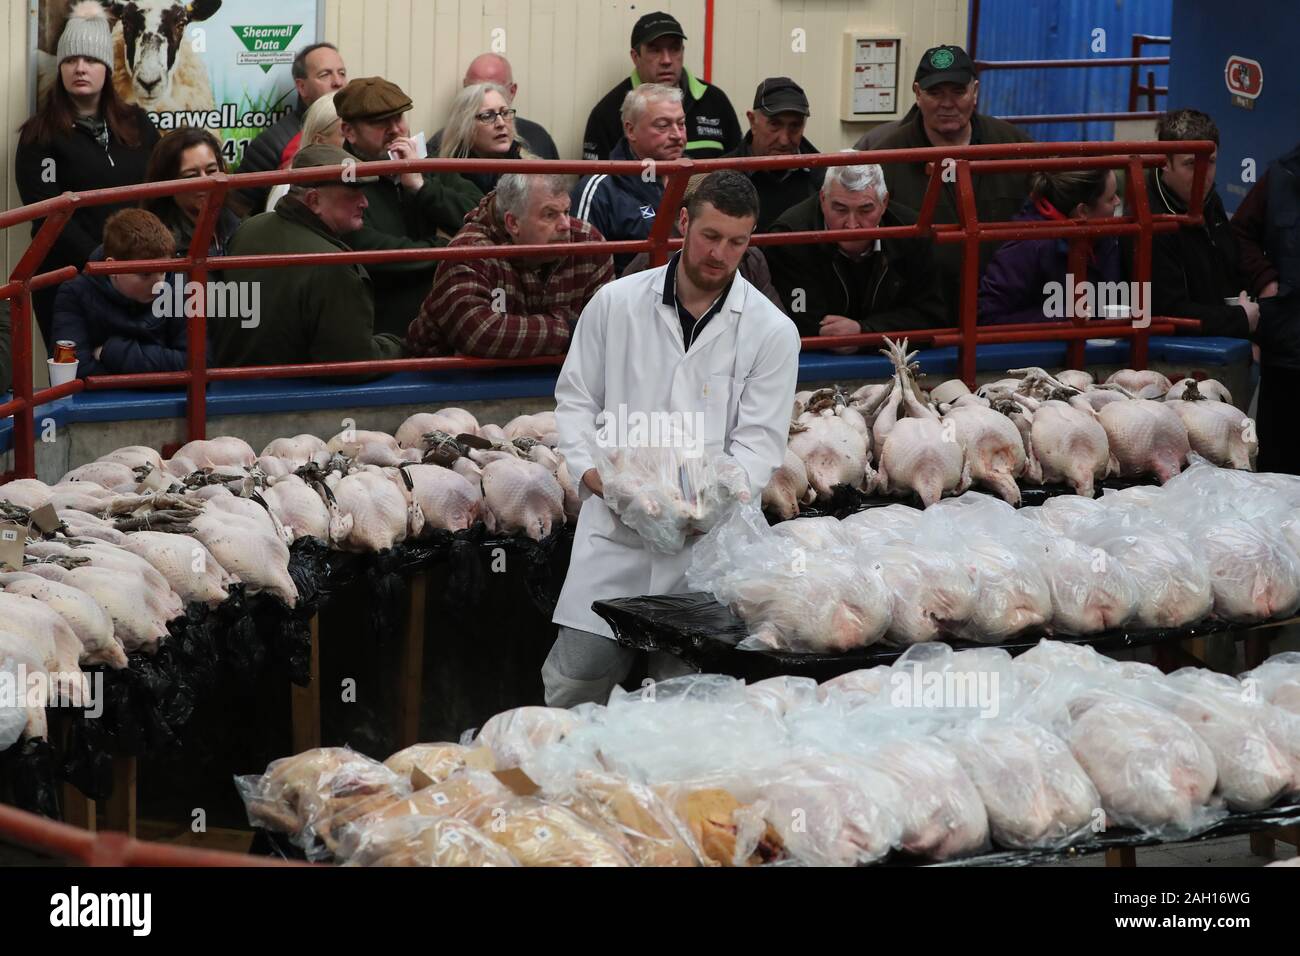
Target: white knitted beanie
<point>87,34</point>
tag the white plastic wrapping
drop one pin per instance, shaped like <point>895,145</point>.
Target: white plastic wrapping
<point>632,816</point>
<point>790,596</point>
<point>783,695</point>
<point>668,491</point>
<point>515,735</point>
<point>1278,678</point>
<point>428,841</point>
<point>1033,788</point>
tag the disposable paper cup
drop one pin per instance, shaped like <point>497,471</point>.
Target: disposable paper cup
<point>1116,312</point>
<point>61,372</point>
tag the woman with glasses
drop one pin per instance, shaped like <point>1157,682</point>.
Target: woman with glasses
<point>482,126</point>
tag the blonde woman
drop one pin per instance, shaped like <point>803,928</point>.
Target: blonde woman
<point>320,124</point>
<point>482,126</point>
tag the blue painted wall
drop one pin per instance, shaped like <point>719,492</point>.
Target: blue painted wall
<point>1205,34</point>
<point>1063,29</point>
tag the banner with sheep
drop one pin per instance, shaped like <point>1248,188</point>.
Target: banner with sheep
<point>223,65</point>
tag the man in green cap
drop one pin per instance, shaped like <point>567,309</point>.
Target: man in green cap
<point>947,94</point>
<point>405,212</point>
<point>321,313</point>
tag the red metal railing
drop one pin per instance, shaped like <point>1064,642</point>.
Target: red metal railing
<point>945,166</point>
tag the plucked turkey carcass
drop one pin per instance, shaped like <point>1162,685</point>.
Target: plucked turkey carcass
<point>299,449</point>
<point>103,555</point>
<point>1152,771</point>
<point>1207,388</point>
<point>209,453</point>
<point>1070,445</point>
<point>1254,575</point>
<point>88,620</point>
<point>1075,378</point>
<point>249,549</point>
<point>1217,430</point>
<point>1033,789</point>
<point>1143,383</point>
<point>931,592</point>
<point>189,567</point>
<point>135,456</point>
<point>1172,576</point>
<point>253,510</point>
<point>1091,591</point>
<point>942,813</point>
<point>918,456</point>
<point>106,474</point>
<point>833,453</point>
<point>1253,770</point>
<point>448,501</point>
<point>993,447</point>
<point>1014,594</point>
<point>1146,438</point>
<point>59,647</point>
<point>522,497</point>
<point>540,426</point>
<point>305,513</point>
<point>139,612</point>
<point>450,421</point>
<point>380,517</point>
<point>26,493</point>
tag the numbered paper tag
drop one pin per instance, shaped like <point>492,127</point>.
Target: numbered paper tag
<point>13,543</point>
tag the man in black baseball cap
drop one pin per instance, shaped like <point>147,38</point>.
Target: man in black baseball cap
<point>776,125</point>
<point>947,92</point>
<point>658,49</point>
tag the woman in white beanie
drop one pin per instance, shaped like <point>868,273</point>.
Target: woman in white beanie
<point>82,137</point>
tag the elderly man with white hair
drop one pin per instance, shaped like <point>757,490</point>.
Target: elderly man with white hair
<point>512,308</point>
<point>624,207</point>
<point>864,285</point>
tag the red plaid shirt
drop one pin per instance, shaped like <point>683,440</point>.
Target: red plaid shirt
<point>501,308</point>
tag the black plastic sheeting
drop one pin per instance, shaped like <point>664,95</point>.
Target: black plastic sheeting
<point>231,664</point>
<point>845,500</point>
<point>704,634</point>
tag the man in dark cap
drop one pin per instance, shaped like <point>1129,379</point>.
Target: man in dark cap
<point>404,212</point>
<point>322,313</point>
<point>947,93</point>
<point>776,126</point>
<point>658,46</point>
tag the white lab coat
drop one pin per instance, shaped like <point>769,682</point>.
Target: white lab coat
<point>628,350</point>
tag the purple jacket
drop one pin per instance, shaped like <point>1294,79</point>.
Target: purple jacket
<point>1012,288</point>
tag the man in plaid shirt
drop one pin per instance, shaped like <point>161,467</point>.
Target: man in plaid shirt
<point>512,308</point>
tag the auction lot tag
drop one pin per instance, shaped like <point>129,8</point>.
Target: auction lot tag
<point>13,543</point>
<point>46,519</point>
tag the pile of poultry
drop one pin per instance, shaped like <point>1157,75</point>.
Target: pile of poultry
<point>1211,543</point>
<point>140,538</point>
<point>896,439</point>
<point>941,755</point>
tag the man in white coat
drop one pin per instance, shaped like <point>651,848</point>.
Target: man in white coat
<point>689,338</point>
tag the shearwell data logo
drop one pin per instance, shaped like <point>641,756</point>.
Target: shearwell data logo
<point>267,45</point>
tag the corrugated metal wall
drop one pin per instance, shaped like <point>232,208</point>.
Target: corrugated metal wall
<point>1063,29</point>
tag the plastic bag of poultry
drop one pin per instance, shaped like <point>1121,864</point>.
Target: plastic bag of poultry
<point>632,815</point>
<point>1278,680</point>
<point>543,834</point>
<point>1035,792</point>
<point>1153,772</point>
<point>728,830</point>
<point>428,841</point>
<point>514,735</point>
<point>791,597</point>
<point>932,592</point>
<point>830,809</point>
<point>1173,579</point>
<point>667,491</point>
<point>1253,771</point>
<point>314,794</point>
<point>428,764</point>
<point>784,694</point>
<point>1270,501</point>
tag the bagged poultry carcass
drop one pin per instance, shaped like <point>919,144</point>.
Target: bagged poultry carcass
<point>930,591</point>
<point>1153,772</point>
<point>791,597</point>
<point>784,694</point>
<point>942,813</point>
<point>636,819</point>
<point>428,841</point>
<point>313,795</point>
<point>542,834</point>
<point>727,831</point>
<point>429,764</point>
<point>1278,679</point>
<point>514,735</point>
<point>1033,789</point>
<point>855,687</point>
<point>1253,770</point>
<point>832,809</point>
<point>892,524</point>
<point>816,534</point>
<point>931,685</point>
<point>666,492</point>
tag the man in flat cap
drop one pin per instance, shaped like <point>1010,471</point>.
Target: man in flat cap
<point>947,93</point>
<point>658,47</point>
<point>404,212</point>
<point>776,126</point>
<point>321,313</point>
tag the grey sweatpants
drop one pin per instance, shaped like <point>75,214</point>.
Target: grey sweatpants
<point>584,667</point>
